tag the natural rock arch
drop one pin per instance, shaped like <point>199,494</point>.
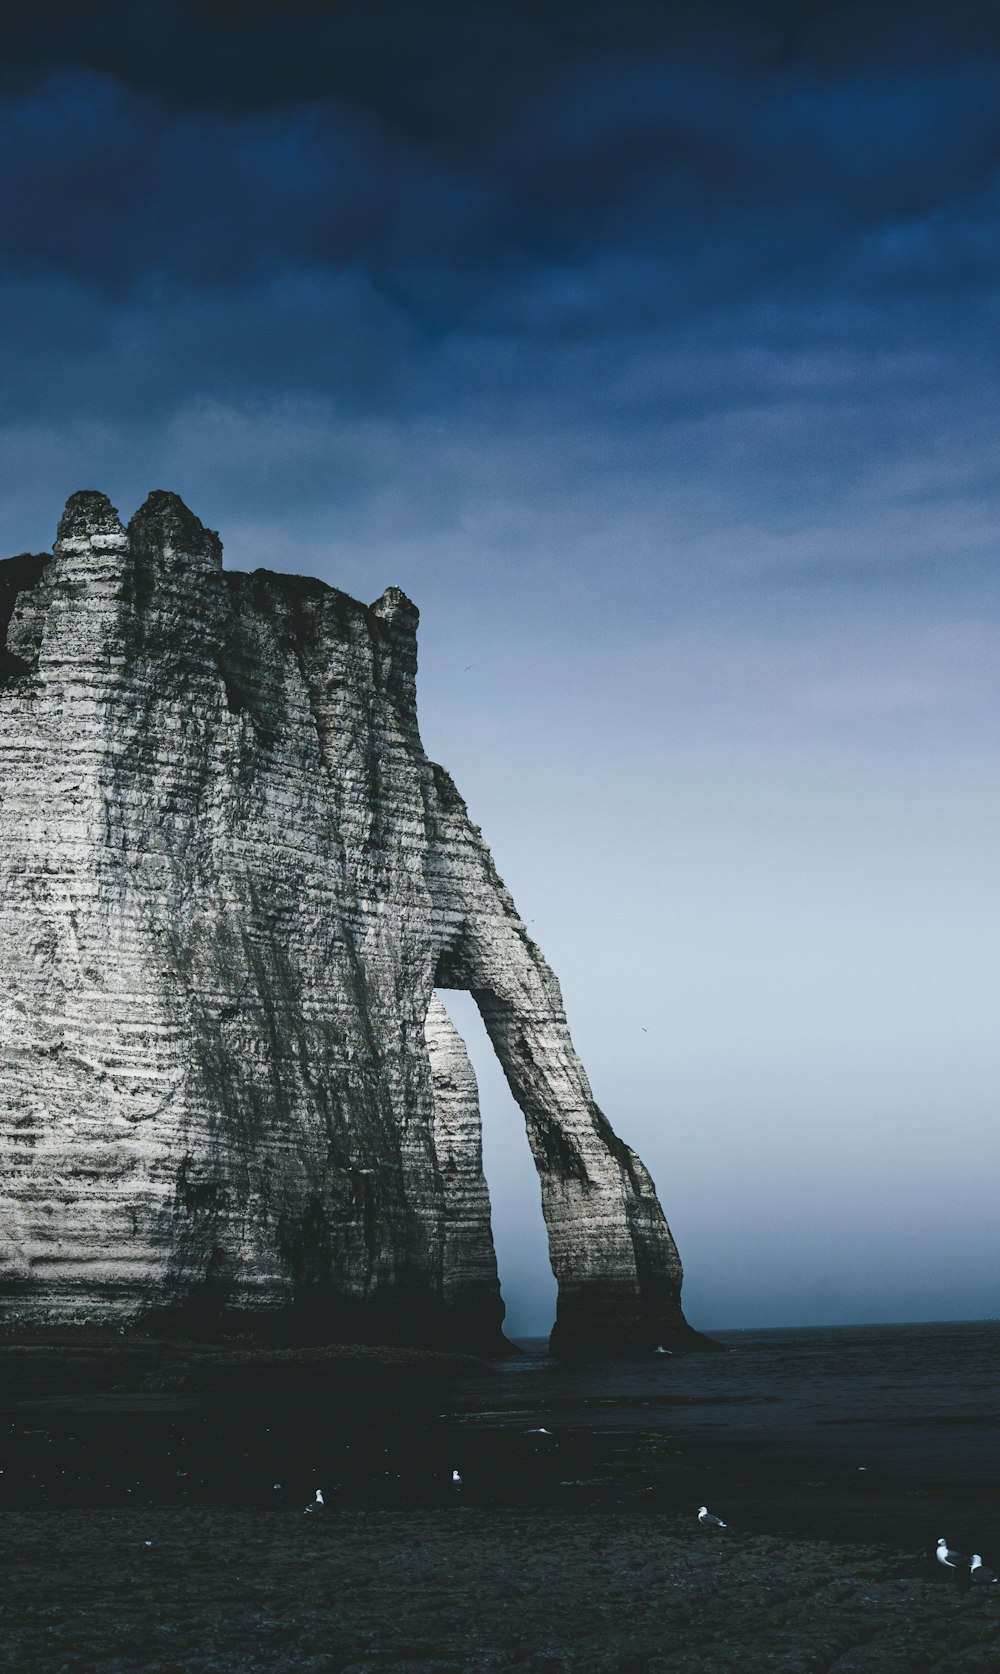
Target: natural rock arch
<point>230,882</point>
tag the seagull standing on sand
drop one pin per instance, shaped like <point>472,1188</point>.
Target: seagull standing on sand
<point>951,1559</point>
<point>708,1520</point>
<point>980,1574</point>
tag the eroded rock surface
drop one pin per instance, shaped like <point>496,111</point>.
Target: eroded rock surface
<point>230,883</point>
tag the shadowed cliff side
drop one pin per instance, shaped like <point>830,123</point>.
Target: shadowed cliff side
<point>230,882</point>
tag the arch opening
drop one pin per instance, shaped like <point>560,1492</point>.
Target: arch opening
<point>520,1237</point>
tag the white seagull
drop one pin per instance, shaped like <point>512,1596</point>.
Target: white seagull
<point>319,1503</point>
<point>979,1571</point>
<point>708,1520</point>
<point>951,1559</point>
<point>456,1479</point>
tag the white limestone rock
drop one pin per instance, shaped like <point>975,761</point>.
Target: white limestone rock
<point>230,882</point>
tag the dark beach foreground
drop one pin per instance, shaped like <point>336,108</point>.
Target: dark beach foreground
<point>467,1588</point>
<point>153,1508</point>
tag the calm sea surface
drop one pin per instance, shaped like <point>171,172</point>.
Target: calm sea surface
<point>878,1434</point>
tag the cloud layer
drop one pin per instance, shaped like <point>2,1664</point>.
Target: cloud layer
<point>734,265</point>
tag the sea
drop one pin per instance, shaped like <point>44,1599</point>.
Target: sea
<point>886,1435</point>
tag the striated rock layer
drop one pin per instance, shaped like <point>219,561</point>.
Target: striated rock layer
<point>230,884</point>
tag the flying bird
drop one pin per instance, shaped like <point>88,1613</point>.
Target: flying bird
<point>708,1520</point>
<point>951,1559</point>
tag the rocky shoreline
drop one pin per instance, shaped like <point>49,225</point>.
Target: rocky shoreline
<point>78,1362</point>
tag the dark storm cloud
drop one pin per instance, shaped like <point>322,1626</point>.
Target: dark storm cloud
<point>474,139</point>
<point>744,239</point>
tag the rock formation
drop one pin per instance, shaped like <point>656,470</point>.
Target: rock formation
<point>230,884</point>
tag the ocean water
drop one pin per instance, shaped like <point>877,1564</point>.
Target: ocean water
<point>876,1434</point>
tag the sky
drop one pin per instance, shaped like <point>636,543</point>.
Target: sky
<point>653,350</point>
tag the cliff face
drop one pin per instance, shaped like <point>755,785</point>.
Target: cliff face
<point>230,884</point>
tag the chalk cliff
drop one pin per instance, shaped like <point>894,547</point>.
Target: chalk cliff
<point>230,885</point>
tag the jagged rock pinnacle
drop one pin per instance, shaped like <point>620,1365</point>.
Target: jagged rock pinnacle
<point>164,524</point>
<point>393,604</point>
<point>89,520</point>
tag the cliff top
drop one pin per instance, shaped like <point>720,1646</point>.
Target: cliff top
<point>166,527</point>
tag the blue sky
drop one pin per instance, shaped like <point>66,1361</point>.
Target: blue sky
<point>653,350</point>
